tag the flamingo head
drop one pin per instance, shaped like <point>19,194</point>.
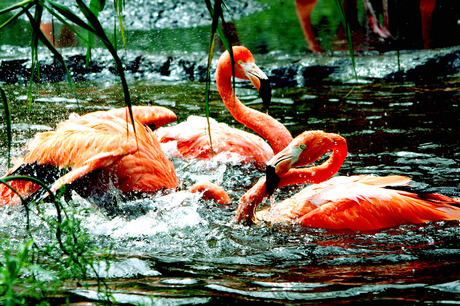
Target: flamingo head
<point>245,68</point>
<point>305,149</point>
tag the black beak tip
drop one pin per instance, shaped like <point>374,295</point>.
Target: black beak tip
<point>272,180</point>
<point>265,92</point>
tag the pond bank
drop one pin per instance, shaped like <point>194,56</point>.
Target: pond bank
<point>284,71</point>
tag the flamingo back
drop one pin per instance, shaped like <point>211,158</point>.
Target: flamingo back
<point>192,139</point>
<point>82,144</point>
<point>360,203</point>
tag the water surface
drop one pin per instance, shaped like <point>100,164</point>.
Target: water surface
<point>177,249</point>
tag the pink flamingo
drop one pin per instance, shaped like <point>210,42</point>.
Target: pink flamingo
<point>362,203</point>
<point>129,154</point>
<point>192,136</point>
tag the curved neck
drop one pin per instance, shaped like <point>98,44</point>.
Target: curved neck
<point>249,201</point>
<point>266,126</point>
<point>321,173</point>
<point>254,196</point>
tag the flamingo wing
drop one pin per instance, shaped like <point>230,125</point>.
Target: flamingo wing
<point>360,203</point>
<point>76,148</point>
<point>81,152</point>
<point>152,116</point>
<point>83,144</point>
<point>377,213</point>
<point>192,140</point>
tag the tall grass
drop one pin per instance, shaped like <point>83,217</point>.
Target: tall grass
<point>216,13</point>
<point>90,24</point>
<point>66,256</point>
<point>347,31</point>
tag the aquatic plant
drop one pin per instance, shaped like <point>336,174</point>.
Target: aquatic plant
<point>28,270</point>
<point>92,25</point>
<point>346,27</point>
<point>11,268</point>
<point>6,108</point>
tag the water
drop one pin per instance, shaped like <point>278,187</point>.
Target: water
<point>177,249</point>
<point>271,25</point>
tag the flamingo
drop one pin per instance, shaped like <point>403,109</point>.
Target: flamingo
<point>192,135</point>
<point>152,116</point>
<point>211,191</point>
<point>125,152</point>
<point>66,37</point>
<point>304,9</point>
<point>359,203</point>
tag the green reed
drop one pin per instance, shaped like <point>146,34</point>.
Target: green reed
<point>7,111</point>
<point>347,31</point>
<point>218,22</point>
<point>66,255</point>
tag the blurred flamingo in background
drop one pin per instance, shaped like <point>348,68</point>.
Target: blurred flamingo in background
<point>192,136</point>
<point>362,203</point>
<point>426,13</point>
<point>66,38</point>
<point>304,9</point>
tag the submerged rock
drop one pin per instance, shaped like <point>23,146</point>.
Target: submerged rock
<point>433,69</point>
<point>14,71</point>
<point>417,66</point>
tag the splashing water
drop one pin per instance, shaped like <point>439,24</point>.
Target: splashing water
<point>181,249</point>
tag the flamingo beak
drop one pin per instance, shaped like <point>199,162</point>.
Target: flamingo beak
<point>279,164</point>
<point>260,81</point>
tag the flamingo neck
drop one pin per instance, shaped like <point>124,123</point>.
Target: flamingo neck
<point>249,201</point>
<point>254,196</point>
<point>321,173</point>
<point>266,126</point>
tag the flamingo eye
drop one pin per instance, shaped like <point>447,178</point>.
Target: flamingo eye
<point>240,62</point>
<point>303,146</point>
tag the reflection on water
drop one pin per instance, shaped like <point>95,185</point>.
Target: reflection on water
<point>177,249</point>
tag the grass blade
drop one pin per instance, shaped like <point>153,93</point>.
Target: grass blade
<point>34,50</point>
<point>15,16</point>
<point>95,7</point>
<point>68,14</point>
<point>346,27</point>
<point>6,107</point>
<point>99,31</point>
<point>216,15</point>
<point>17,6</point>
<point>49,45</point>
<point>119,5</point>
<point>214,12</point>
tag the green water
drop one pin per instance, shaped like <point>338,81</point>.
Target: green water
<point>275,28</point>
